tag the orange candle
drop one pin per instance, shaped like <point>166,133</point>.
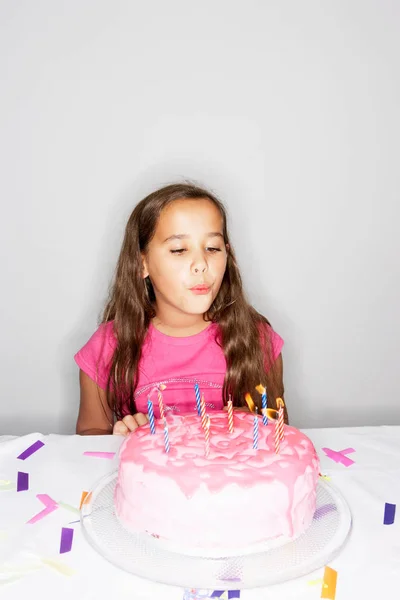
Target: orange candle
<point>230,415</point>
<point>279,425</point>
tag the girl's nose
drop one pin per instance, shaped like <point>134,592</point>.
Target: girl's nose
<point>199,264</point>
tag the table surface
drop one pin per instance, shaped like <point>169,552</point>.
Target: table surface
<point>31,565</point>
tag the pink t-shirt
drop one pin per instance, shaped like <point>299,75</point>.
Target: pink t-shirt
<point>178,362</point>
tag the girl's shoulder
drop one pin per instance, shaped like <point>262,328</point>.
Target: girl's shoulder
<point>94,358</point>
<point>270,338</point>
<point>104,337</point>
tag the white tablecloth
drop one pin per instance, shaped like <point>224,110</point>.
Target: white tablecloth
<point>368,567</point>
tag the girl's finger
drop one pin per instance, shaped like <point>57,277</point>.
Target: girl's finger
<point>120,428</point>
<point>140,418</point>
<point>130,422</point>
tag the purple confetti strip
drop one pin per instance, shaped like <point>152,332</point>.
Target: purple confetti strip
<point>390,512</point>
<point>67,534</point>
<point>22,482</point>
<point>324,510</point>
<point>34,448</point>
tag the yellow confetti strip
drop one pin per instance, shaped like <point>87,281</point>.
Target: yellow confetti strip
<point>10,579</point>
<point>314,581</point>
<point>69,507</point>
<point>325,477</point>
<point>19,570</point>
<point>6,485</point>
<point>58,566</point>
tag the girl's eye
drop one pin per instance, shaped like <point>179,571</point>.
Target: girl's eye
<point>182,250</point>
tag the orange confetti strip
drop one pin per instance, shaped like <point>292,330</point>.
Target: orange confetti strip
<point>329,584</point>
<point>84,499</point>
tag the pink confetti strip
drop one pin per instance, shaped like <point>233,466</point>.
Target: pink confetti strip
<point>67,534</point>
<point>46,500</point>
<point>33,448</point>
<point>50,504</point>
<point>340,456</point>
<point>22,482</point>
<point>109,455</point>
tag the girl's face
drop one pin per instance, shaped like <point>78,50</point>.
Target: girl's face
<point>186,259</point>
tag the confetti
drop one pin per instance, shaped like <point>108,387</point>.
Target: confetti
<point>109,455</point>
<point>329,584</point>
<point>58,566</point>
<point>84,494</point>
<point>324,510</point>
<point>6,484</point>
<point>50,505</point>
<point>314,581</point>
<point>33,448</point>
<point>46,500</point>
<point>68,507</point>
<point>340,456</point>
<point>67,534</point>
<point>22,481</point>
<point>390,512</point>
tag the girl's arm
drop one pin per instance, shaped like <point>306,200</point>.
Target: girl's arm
<point>95,416</point>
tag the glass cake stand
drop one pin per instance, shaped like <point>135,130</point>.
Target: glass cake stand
<point>143,555</point>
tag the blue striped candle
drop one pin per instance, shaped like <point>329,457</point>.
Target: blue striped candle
<point>166,436</point>
<point>264,408</point>
<point>255,431</point>
<point>151,416</point>
<point>198,401</point>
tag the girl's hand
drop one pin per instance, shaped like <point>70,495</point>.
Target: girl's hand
<point>129,423</point>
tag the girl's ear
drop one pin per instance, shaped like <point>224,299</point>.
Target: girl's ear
<point>227,246</point>
<point>145,272</point>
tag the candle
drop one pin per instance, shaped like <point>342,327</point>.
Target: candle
<point>261,389</point>
<point>255,431</point>
<point>151,416</point>
<point>279,432</point>
<point>166,436</point>
<point>160,400</point>
<point>203,412</point>
<point>230,415</point>
<point>280,404</point>
<point>207,436</point>
<point>198,402</point>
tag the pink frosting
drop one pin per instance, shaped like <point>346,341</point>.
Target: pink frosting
<point>237,496</point>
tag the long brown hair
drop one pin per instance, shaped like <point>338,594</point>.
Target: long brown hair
<point>243,332</point>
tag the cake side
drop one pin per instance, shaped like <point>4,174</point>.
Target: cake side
<point>235,497</point>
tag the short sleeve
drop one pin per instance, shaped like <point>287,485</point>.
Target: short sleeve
<point>95,357</point>
<point>272,344</point>
<point>276,343</point>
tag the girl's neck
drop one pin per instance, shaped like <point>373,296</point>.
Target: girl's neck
<point>177,328</point>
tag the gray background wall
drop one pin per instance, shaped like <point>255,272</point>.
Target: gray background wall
<point>288,110</point>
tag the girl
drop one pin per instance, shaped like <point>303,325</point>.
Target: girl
<point>177,315</point>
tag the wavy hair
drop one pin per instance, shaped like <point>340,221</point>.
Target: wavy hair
<point>243,333</point>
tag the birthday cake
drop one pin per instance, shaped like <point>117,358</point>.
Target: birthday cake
<point>225,500</point>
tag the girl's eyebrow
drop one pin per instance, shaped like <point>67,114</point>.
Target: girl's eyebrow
<point>185,236</point>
